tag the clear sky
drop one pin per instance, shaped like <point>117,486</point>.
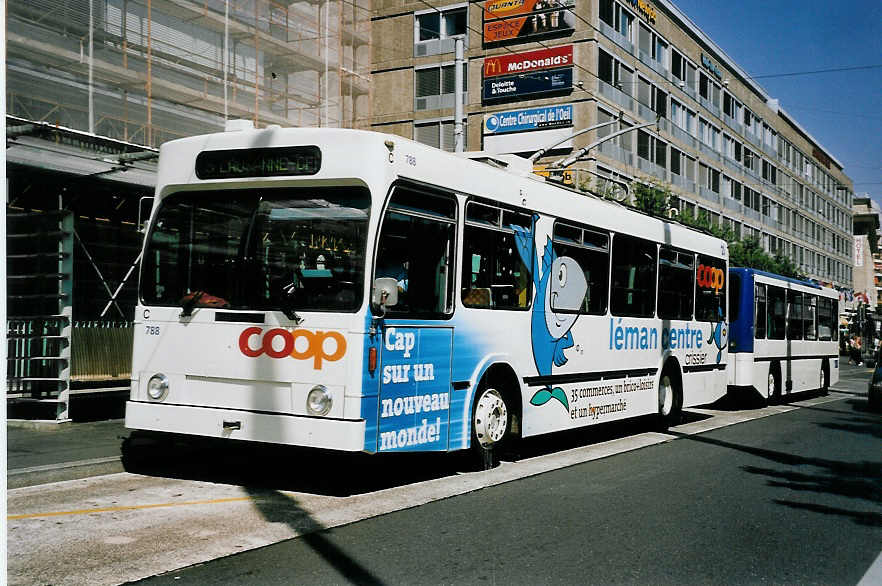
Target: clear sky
<point>842,110</point>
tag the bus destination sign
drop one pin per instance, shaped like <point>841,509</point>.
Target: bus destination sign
<point>260,162</point>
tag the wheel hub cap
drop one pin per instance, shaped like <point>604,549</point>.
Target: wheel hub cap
<point>491,418</point>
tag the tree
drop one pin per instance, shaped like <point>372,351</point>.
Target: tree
<point>656,199</point>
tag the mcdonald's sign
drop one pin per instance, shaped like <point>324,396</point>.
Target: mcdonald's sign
<point>531,61</point>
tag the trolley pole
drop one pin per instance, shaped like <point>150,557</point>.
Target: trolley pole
<point>458,139</point>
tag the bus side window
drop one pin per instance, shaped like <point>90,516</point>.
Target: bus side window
<point>794,315</point>
<point>826,322</point>
<point>590,250</point>
<point>676,272</point>
<point>760,318</point>
<point>777,312</point>
<point>634,263</point>
<point>415,248</point>
<point>710,289</point>
<point>810,317</point>
<point>494,275</point>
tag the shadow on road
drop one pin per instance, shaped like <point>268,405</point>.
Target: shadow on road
<point>276,507</point>
<point>340,474</point>
<point>855,480</point>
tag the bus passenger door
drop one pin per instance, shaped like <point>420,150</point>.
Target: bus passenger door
<point>415,388</point>
<point>416,248</point>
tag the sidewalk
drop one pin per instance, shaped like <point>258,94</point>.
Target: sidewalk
<point>41,452</point>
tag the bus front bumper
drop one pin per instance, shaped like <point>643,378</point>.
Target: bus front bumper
<point>294,430</point>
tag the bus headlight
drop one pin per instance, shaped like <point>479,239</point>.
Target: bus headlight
<point>318,401</point>
<point>157,387</point>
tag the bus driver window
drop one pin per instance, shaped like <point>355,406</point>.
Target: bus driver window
<point>416,249</point>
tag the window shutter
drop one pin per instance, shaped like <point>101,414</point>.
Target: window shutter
<point>428,82</point>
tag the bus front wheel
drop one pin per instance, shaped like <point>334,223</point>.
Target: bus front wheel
<point>491,425</point>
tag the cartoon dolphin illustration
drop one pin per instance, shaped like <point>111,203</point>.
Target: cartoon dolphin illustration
<point>560,290</point>
<point>719,335</point>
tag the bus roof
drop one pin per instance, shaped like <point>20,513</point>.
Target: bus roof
<point>775,276</point>
<point>348,153</point>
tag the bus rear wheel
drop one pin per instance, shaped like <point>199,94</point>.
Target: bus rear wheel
<point>491,426</point>
<point>773,386</point>
<point>670,399</point>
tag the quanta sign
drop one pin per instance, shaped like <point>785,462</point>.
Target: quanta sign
<point>299,344</point>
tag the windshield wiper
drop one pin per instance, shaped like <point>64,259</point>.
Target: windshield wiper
<point>188,302</point>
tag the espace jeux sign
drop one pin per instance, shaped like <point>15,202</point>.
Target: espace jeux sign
<point>514,20</point>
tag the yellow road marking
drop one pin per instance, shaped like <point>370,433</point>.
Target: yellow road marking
<point>127,508</point>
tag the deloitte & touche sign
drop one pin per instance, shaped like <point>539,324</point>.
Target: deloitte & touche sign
<point>543,118</point>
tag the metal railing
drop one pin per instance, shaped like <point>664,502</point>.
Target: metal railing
<point>101,351</point>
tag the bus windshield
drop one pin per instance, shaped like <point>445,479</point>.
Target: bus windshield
<point>264,249</point>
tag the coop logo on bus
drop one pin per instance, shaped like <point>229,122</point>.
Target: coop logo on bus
<point>298,344</point>
<point>710,278</point>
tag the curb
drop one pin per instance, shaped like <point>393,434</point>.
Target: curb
<point>35,475</point>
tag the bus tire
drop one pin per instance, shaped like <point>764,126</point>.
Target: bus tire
<point>825,378</point>
<point>670,397</point>
<point>491,427</point>
<point>773,384</point>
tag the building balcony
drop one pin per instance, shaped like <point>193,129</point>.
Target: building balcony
<point>616,95</point>
<point>615,151</point>
<point>683,136</point>
<point>709,194</point>
<point>615,36</point>
<point>655,170</point>
<point>682,183</point>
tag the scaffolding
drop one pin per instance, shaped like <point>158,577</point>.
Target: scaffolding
<point>147,71</point>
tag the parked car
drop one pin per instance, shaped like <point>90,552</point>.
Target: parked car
<point>874,389</point>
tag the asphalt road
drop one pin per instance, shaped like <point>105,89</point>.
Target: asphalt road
<point>792,498</point>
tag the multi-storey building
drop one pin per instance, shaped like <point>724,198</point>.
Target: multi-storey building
<point>536,70</point>
<point>92,88</point>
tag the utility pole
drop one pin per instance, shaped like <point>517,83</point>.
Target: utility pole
<point>458,139</point>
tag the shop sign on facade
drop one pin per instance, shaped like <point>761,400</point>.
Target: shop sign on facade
<point>508,21</point>
<point>528,84</point>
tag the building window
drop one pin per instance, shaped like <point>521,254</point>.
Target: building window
<point>709,134</point>
<point>434,87</point>
<point>652,46</point>
<point>770,173</point>
<point>438,133</point>
<point>731,107</point>
<point>710,178</point>
<point>615,73</point>
<point>683,117</point>
<point>651,149</point>
<point>750,121</point>
<point>435,31</point>
<point>709,90</point>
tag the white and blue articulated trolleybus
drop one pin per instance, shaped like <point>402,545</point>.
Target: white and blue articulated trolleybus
<point>784,335</point>
<point>358,291</point>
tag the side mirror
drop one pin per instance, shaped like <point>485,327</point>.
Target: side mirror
<point>385,292</point>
